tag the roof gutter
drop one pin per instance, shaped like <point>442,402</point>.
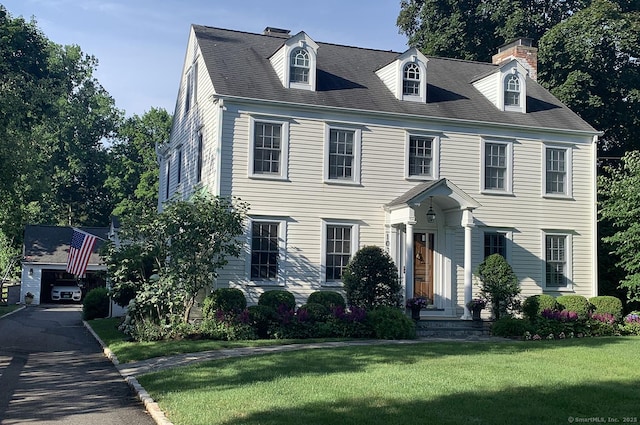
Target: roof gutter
<point>401,115</point>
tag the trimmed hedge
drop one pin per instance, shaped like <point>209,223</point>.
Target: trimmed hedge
<point>607,304</point>
<point>315,312</point>
<point>391,323</point>
<point>576,303</point>
<point>96,304</point>
<point>225,299</point>
<point>536,304</point>
<point>328,299</point>
<point>510,327</point>
<point>277,297</point>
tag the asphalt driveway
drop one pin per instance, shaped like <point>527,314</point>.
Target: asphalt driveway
<point>53,371</point>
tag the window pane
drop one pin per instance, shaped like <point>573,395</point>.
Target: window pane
<point>556,263</point>
<point>556,174</point>
<point>495,166</point>
<point>512,91</point>
<point>495,243</point>
<point>267,148</point>
<point>420,156</point>
<point>341,145</point>
<point>338,251</point>
<point>411,80</point>
<point>264,251</point>
<point>299,68</point>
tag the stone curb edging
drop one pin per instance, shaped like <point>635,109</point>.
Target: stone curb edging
<point>14,311</point>
<point>150,405</point>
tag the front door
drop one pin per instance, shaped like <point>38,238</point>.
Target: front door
<point>423,244</point>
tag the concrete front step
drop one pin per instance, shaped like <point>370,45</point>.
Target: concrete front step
<point>453,328</point>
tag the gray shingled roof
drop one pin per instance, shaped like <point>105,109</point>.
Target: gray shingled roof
<point>50,244</point>
<point>238,64</point>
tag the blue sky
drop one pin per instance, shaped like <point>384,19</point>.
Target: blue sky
<point>140,44</point>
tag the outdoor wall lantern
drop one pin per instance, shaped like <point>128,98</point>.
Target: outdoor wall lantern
<point>431,214</point>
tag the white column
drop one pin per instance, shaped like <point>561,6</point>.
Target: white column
<point>467,223</point>
<point>408,270</point>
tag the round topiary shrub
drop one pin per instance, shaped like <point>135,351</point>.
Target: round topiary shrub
<point>391,323</point>
<point>328,299</point>
<point>262,318</point>
<point>576,303</point>
<point>315,312</point>
<point>371,280</point>
<point>536,304</point>
<point>224,299</point>
<point>607,304</point>
<point>510,327</point>
<point>96,304</point>
<point>276,298</point>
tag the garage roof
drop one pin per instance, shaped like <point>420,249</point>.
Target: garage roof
<point>50,244</point>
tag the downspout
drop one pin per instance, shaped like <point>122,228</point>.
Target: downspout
<point>594,238</point>
<point>218,161</point>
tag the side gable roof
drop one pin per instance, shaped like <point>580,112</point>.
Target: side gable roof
<point>50,244</point>
<point>238,64</point>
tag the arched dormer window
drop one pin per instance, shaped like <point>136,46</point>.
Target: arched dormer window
<point>512,91</point>
<point>299,70</point>
<point>411,80</point>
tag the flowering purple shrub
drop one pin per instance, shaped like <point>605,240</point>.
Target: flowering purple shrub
<point>631,323</point>
<point>604,318</point>
<point>632,318</point>
<point>561,316</point>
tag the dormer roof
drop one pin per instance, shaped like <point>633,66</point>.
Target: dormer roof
<point>239,65</point>
<point>492,85</point>
<point>295,62</point>
<point>394,75</point>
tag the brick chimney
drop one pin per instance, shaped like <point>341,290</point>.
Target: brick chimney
<point>521,50</point>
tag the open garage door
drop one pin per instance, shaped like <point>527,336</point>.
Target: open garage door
<point>64,282</point>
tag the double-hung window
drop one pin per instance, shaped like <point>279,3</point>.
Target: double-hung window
<point>340,242</point>
<point>265,250</point>
<point>422,157</point>
<point>411,80</point>
<point>299,69</point>
<point>179,171</point>
<point>200,158</point>
<point>342,155</point>
<point>268,151</point>
<point>557,171</point>
<point>495,243</point>
<point>557,248</point>
<point>497,167</point>
<point>512,91</point>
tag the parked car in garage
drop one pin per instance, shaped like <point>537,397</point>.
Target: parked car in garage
<point>66,293</point>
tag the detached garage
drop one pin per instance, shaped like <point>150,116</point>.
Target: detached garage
<point>46,249</point>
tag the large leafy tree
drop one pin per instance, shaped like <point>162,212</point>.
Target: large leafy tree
<point>473,29</point>
<point>54,116</point>
<point>133,167</point>
<point>620,206</point>
<point>182,248</point>
<point>590,62</point>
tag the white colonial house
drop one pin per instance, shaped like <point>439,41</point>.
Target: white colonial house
<point>440,161</point>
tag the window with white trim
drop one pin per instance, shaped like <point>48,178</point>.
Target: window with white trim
<point>411,80</point>
<point>265,250</point>
<point>191,87</point>
<point>179,173</point>
<point>339,244</point>
<point>342,155</point>
<point>168,179</point>
<point>557,172</point>
<point>495,243</point>
<point>269,147</point>
<point>512,90</point>
<point>497,167</point>
<point>299,66</point>
<point>557,248</point>
<point>422,157</point>
<point>199,159</point>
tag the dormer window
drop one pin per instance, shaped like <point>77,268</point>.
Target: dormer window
<point>299,71</point>
<point>411,80</point>
<point>512,91</point>
<point>295,62</point>
<point>406,77</point>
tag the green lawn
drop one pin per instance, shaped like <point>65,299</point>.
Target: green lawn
<point>543,382</point>
<point>128,351</point>
<point>4,309</point>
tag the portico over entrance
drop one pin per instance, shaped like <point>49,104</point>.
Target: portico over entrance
<point>424,230</point>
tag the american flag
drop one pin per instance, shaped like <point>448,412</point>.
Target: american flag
<point>82,244</point>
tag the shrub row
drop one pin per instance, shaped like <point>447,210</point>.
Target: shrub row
<point>568,316</point>
<point>325,315</point>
